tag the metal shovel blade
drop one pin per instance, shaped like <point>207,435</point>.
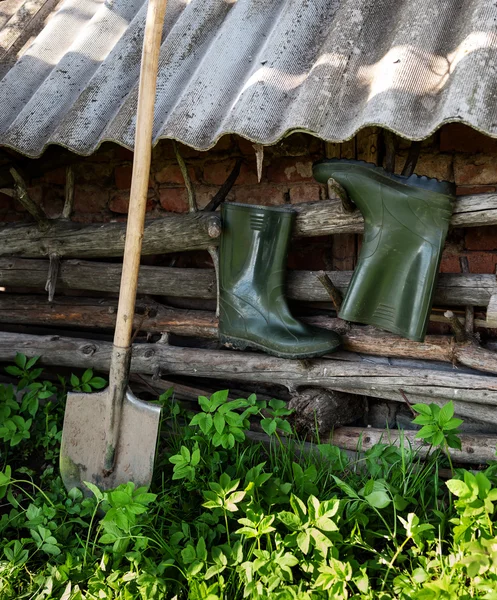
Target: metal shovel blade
<point>83,445</point>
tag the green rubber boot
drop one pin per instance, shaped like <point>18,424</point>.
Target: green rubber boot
<point>253,312</point>
<point>406,221</point>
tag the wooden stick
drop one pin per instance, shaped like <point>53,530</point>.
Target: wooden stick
<point>452,289</point>
<point>412,159</point>
<point>456,326</point>
<point>334,292</point>
<point>225,189</point>
<point>141,172</point>
<point>190,189</point>
<point>335,189</point>
<point>214,254</point>
<point>24,198</point>
<point>53,272</point>
<point>406,400</point>
<point>390,143</point>
<point>98,313</point>
<point>193,208</point>
<point>259,158</point>
<point>69,199</point>
<point>476,449</point>
<point>469,324</point>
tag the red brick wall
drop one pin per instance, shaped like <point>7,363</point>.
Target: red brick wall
<point>102,182</point>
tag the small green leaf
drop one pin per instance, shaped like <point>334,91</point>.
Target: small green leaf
<point>214,570</point>
<point>438,438</point>
<point>423,409</point>
<point>304,541</point>
<point>87,375</point>
<point>446,413</point>
<point>11,370</point>
<point>94,490</point>
<point>219,422</point>
<point>269,426</point>
<point>98,383</point>
<point>378,499</point>
<point>20,360</point>
<point>201,550</point>
<point>458,488</point>
<point>195,457</point>
<point>31,362</point>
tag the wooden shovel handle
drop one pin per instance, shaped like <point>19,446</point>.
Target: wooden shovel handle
<point>121,353</point>
<point>141,172</point>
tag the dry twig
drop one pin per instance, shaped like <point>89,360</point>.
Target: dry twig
<point>24,198</point>
<point>334,292</point>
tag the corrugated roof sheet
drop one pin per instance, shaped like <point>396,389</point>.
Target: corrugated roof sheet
<point>258,68</point>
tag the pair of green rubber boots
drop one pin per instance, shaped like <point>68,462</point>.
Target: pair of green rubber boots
<point>406,222</point>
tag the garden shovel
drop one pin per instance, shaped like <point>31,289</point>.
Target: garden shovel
<point>109,437</point>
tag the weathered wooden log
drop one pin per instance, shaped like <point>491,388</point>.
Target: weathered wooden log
<point>320,411</point>
<point>452,289</point>
<point>473,395</point>
<point>100,313</point>
<point>177,233</point>
<point>476,449</point>
<point>71,312</point>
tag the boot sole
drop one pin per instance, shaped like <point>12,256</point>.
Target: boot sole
<point>240,344</point>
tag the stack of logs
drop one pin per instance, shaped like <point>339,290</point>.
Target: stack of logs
<point>442,368</point>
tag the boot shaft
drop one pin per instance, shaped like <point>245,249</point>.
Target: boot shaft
<point>254,248</point>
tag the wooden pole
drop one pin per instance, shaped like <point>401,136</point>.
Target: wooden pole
<point>474,396</point>
<point>178,233</point>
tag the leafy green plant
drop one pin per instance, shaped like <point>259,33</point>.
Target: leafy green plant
<point>276,411</point>
<point>230,519</point>
<point>185,463</point>
<point>87,382</point>
<point>24,370</point>
<point>220,421</point>
<point>439,426</point>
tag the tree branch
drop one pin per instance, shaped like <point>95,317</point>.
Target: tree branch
<point>24,198</point>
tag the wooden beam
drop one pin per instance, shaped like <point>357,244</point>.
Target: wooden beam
<point>100,313</point>
<point>475,449</point>
<point>474,396</point>
<point>452,289</point>
<point>152,317</point>
<point>177,233</point>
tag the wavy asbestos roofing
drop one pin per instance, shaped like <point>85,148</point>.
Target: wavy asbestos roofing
<point>258,68</point>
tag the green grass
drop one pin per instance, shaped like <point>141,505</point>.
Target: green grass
<point>227,518</point>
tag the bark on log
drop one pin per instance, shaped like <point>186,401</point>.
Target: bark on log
<point>476,449</point>
<point>452,289</point>
<point>474,396</point>
<point>99,313</point>
<point>177,233</point>
<point>320,411</point>
<point>153,317</point>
